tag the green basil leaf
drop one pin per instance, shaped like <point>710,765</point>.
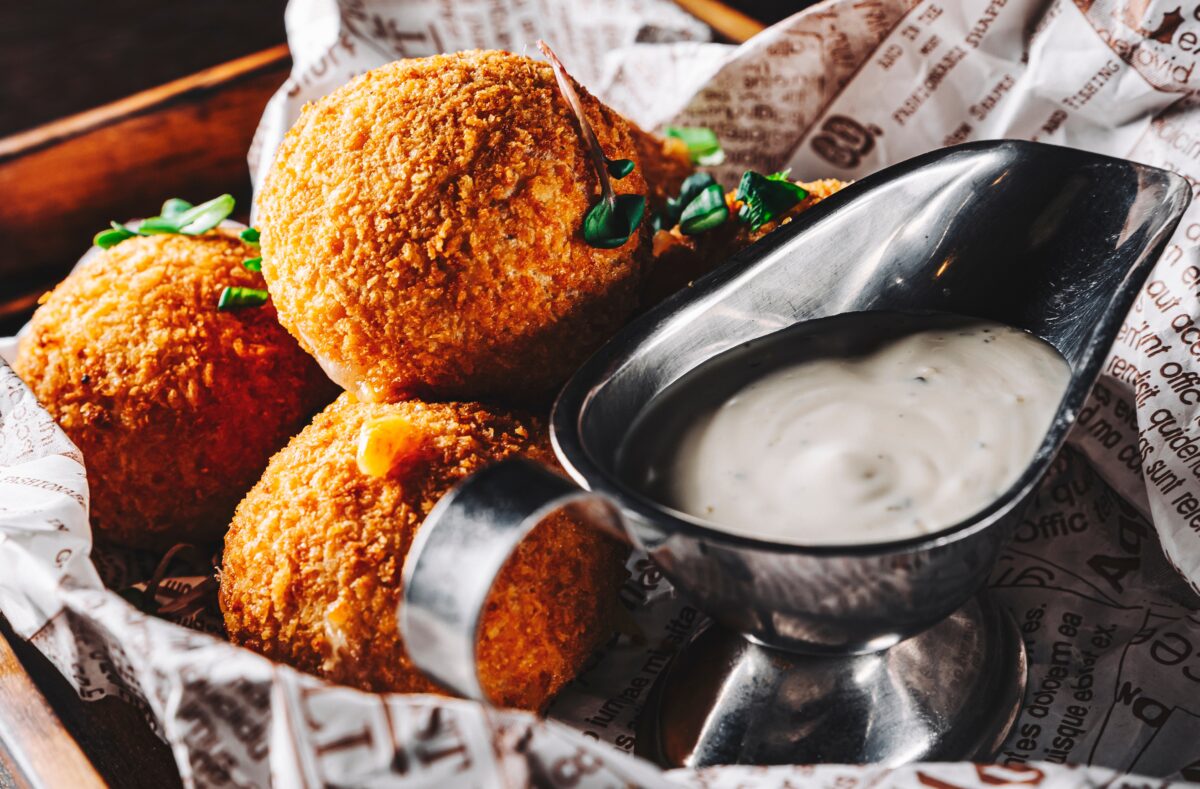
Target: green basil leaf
<point>233,298</point>
<point>609,224</point>
<point>706,211</point>
<point>692,186</point>
<point>766,199</point>
<point>703,146</point>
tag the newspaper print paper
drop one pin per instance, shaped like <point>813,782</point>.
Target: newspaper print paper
<point>1110,621</point>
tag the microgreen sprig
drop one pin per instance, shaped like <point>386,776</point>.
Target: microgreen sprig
<point>689,190</point>
<point>766,197</point>
<point>706,211</point>
<point>610,222</point>
<point>250,236</point>
<point>618,168</point>
<point>703,147</point>
<point>176,216</point>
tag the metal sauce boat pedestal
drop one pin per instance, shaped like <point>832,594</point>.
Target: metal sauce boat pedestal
<point>883,653</point>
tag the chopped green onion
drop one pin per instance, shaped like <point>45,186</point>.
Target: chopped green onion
<point>249,235</point>
<point>618,168</point>
<point>157,225</point>
<point>117,233</point>
<point>706,211</point>
<point>233,298</point>
<point>178,217</point>
<point>765,199</point>
<point>610,223</point>
<point>174,207</point>
<point>703,146</point>
<point>782,175</point>
<point>205,216</point>
<point>252,264</point>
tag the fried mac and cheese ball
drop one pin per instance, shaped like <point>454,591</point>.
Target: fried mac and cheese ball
<point>422,230</point>
<point>176,406</point>
<point>312,566</point>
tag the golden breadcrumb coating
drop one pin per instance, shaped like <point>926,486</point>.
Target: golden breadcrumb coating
<point>680,259</point>
<point>422,231</point>
<point>176,406</point>
<point>313,559</point>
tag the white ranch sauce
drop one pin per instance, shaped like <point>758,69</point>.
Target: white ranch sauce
<point>910,439</point>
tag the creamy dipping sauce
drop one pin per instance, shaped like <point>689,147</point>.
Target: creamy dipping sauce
<point>862,428</point>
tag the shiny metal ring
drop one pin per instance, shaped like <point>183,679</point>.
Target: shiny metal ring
<point>461,548</point>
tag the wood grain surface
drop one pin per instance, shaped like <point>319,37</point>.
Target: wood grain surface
<point>53,739</point>
<point>36,742</point>
<point>59,57</point>
<point>65,180</point>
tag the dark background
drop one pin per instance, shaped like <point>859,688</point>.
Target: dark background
<point>58,57</point>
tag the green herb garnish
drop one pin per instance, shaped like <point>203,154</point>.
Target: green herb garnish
<point>766,198</point>
<point>609,225</point>
<point>611,222</point>
<point>174,207</point>
<point>618,168</point>
<point>706,211</point>
<point>178,216</point>
<point>700,206</point>
<point>689,190</point>
<point>117,233</point>
<point>250,236</point>
<point>233,298</point>
<point>703,146</point>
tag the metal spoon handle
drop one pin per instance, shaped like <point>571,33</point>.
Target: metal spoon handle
<point>461,548</point>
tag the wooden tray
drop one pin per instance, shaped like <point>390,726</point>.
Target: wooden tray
<point>61,183</point>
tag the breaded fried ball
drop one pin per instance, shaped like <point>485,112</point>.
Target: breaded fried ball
<point>313,559</point>
<point>176,406</point>
<point>422,231</point>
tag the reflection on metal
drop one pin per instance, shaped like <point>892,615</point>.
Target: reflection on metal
<point>1051,240</point>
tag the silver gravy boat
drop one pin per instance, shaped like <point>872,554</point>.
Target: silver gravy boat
<point>863,653</point>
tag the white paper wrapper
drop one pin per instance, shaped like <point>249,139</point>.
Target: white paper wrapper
<point>1110,621</point>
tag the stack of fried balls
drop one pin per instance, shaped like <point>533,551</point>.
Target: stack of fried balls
<point>421,244</point>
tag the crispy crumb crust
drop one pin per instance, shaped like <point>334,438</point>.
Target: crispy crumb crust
<point>680,259</point>
<point>313,558</point>
<point>176,406</point>
<point>421,231</point>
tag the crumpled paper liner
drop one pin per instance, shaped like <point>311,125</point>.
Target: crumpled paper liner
<point>1109,619</point>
